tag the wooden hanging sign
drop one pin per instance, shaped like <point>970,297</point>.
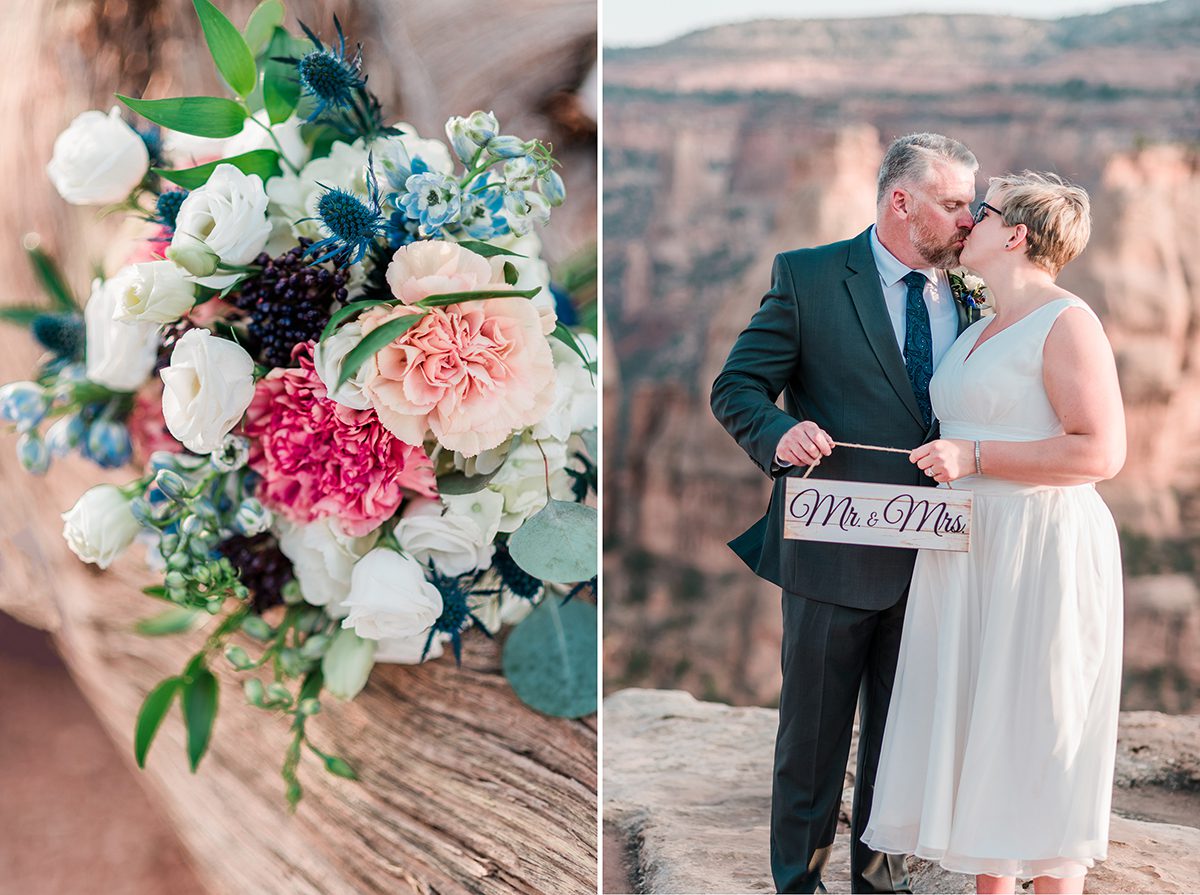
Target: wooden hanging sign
<point>878,515</point>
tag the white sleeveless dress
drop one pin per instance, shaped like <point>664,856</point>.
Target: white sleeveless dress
<point>1001,733</point>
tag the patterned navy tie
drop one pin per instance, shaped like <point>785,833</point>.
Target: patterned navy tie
<point>918,343</point>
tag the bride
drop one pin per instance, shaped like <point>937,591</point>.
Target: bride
<point>997,759</point>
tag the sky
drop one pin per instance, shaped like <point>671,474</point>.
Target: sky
<point>645,22</point>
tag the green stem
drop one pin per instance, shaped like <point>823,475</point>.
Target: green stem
<point>274,139</point>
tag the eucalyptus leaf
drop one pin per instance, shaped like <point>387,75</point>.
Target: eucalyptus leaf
<point>263,162</point>
<point>267,16</point>
<point>461,483</point>
<point>173,621</point>
<point>453,298</point>
<point>558,543</point>
<point>373,341</point>
<point>150,717</point>
<point>341,315</point>
<point>199,713</point>
<point>486,249</point>
<point>201,116</point>
<point>281,85</point>
<point>230,53</point>
<point>21,315</point>
<point>550,658</point>
<point>51,279</point>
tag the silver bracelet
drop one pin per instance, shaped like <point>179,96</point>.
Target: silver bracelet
<point>978,466</point>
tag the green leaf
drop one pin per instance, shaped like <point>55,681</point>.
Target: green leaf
<point>21,315</point>
<point>201,116</point>
<point>373,341</point>
<point>263,162</point>
<point>486,249</point>
<point>339,767</point>
<point>550,658</point>
<point>199,712</point>
<point>172,621</point>
<point>155,590</point>
<point>343,314</point>
<point>453,298</point>
<point>558,543</point>
<point>511,274</point>
<point>267,16</point>
<point>564,335</point>
<point>311,688</point>
<point>52,280</point>
<point>151,715</point>
<point>281,86</point>
<point>232,57</point>
<point>461,483</point>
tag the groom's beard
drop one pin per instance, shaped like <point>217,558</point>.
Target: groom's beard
<point>936,252</point>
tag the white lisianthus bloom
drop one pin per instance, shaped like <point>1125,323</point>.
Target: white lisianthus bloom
<point>483,463</point>
<point>100,526</point>
<point>98,159</point>
<point>327,359</point>
<point>206,389</point>
<point>119,354</point>
<point>521,481</point>
<point>347,664</point>
<point>229,215</point>
<point>532,272</point>
<point>389,597</point>
<point>156,292</point>
<point>295,196</point>
<point>498,610</point>
<point>408,650</point>
<point>576,399</point>
<point>455,544</point>
<point>485,507</point>
<point>253,137</point>
<point>323,558</point>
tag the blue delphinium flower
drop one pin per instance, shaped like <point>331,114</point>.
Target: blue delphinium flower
<point>433,199</point>
<point>329,75</point>
<point>353,224</point>
<point>482,210</point>
<point>108,444</point>
<point>456,614</point>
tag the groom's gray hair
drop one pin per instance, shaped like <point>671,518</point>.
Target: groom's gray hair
<point>907,159</point>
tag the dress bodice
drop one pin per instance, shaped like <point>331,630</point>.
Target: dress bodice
<point>995,390</point>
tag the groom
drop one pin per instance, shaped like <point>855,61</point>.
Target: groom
<point>850,333</point>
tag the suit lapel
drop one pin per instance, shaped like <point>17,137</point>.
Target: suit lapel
<point>863,284</point>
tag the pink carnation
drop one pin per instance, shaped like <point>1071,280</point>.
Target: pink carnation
<point>472,373</point>
<point>319,458</point>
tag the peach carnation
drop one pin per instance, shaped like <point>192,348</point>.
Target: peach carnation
<point>472,373</point>
<point>434,267</point>
<point>318,458</point>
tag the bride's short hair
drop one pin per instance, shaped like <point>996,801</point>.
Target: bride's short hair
<point>1057,215</point>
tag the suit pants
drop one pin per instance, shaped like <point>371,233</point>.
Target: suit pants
<point>834,659</point>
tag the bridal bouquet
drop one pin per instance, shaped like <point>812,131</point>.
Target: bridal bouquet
<point>362,424</point>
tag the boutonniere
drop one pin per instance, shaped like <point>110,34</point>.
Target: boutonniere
<point>969,289</point>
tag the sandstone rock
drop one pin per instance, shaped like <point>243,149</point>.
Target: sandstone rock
<point>687,793</point>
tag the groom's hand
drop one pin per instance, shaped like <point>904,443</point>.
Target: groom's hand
<point>803,445</point>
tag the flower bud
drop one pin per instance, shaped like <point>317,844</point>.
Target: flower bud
<point>24,403</point>
<point>192,525</point>
<point>507,147</point>
<point>482,127</point>
<point>33,453</point>
<point>252,518</point>
<point>347,664</point>
<point>464,147</point>
<point>171,484</point>
<point>552,188</point>
<point>108,444</point>
<point>253,688</point>
<point>231,454</point>
<point>66,435</point>
<point>193,255</point>
<point>520,173</point>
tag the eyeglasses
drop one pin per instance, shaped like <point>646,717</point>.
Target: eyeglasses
<point>983,209</point>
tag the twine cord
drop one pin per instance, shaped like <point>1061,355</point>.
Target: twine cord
<point>861,447</point>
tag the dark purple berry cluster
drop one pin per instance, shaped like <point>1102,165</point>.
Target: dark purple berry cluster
<point>289,302</point>
<point>261,566</point>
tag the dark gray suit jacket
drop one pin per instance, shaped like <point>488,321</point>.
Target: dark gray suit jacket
<point>823,337</point>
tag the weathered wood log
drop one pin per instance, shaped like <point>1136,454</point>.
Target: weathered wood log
<point>463,788</point>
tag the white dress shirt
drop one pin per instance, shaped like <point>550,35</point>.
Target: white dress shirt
<point>939,300</point>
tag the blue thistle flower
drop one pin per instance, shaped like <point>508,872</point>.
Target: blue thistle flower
<point>328,74</point>
<point>353,224</point>
<point>456,614</point>
<point>166,208</point>
<point>61,333</point>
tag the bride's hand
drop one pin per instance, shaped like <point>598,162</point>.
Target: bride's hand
<point>946,459</point>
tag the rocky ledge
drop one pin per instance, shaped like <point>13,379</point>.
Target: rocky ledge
<point>687,798</point>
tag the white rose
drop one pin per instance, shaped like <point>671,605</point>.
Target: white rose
<point>576,399</point>
<point>206,389</point>
<point>253,137</point>
<point>229,215</point>
<point>973,283</point>
<point>155,292</point>
<point>521,481</point>
<point>98,159</point>
<point>455,544</point>
<point>323,558</point>
<point>408,650</point>
<point>389,597</point>
<point>327,358</point>
<point>119,354</point>
<point>347,664</point>
<point>100,525</point>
